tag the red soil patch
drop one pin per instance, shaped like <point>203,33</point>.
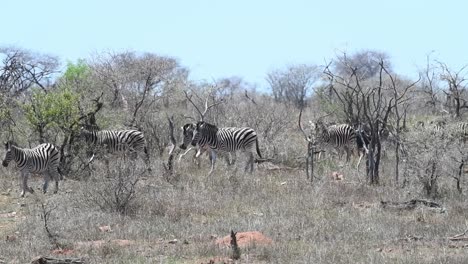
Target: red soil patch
<point>246,239</point>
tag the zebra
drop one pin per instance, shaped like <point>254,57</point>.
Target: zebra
<point>337,136</point>
<point>43,159</point>
<point>228,139</point>
<point>437,127</point>
<point>187,133</point>
<point>459,130</point>
<point>117,141</point>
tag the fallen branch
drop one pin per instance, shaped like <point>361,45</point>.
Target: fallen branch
<point>52,260</point>
<point>262,160</point>
<point>459,237</point>
<point>411,205</point>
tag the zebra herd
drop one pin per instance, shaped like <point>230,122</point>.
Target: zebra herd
<point>209,138</point>
<point>442,128</point>
<point>45,157</point>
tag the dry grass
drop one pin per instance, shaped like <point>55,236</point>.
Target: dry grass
<point>178,221</point>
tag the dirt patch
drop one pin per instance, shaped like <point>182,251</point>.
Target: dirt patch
<point>9,216</point>
<point>65,252</point>
<point>246,239</point>
<point>100,243</point>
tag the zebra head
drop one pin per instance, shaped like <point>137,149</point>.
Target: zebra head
<point>203,130</point>
<point>197,132</point>
<point>187,131</point>
<point>320,128</point>
<point>8,154</point>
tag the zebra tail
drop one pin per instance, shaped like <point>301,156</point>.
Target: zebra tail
<point>258,149</point>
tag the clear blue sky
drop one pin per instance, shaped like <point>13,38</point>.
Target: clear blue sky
<point>242,38</point>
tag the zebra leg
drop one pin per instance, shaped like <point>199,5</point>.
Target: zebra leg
<point>232,158</point>
<point>46,182</point>
<point>147,158</point>
<point>56,176</point>
<point>213,161</point>
<point>183,154</point>
<point>24,182</point>
<point>348,152</point>
<point>250,162</point>
<point>361,154</point>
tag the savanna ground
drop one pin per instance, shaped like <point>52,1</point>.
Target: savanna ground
<point>118,212</point>
<point>178,219</point>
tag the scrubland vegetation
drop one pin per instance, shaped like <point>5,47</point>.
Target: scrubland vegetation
<point>405,204</point>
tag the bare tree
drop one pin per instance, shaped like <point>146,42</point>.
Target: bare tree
<point>207,107</point>
<point>294,84</point>
<point>136,80</point>
<point>456,93</point>
<point>366,63</point>
<point>430,85</point>
<point>369,103</point>
<point>21,70</point>
<point>311,149</point>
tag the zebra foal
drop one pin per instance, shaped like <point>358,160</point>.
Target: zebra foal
<point>42,159</point>
<point>228,139</point>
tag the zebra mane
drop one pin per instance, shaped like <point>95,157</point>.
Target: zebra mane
<point>10,143</point>
<point>186,126</point>
<point>203,125</point>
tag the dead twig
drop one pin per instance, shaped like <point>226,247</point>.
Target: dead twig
<point>459,237</point>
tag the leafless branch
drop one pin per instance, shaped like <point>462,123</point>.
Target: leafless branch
<point>251,99</point>
<point>307,138</point>
<point>207,107</point>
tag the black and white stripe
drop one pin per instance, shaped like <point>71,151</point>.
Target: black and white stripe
<point>459,130</point>
<point>44,159</point>
<point>187,133</point>
<point>117,140</point>
<point>228,139</point>
<point>437,127</point>
<point>337,136</point>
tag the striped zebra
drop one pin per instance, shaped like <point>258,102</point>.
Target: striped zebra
<point>337,136</point>
<point>42,159</point>
<point>117,141</point>
<point>187,133</point>
<point>437,127</point>
<point>459,130</point>
<point>228,139</point>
